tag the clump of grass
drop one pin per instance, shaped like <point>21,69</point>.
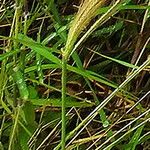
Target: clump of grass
<point>98,98</point>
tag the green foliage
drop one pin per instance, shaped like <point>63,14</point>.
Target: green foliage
<point>134,140</point>
<point>19,80</point>
<point>74,74</point>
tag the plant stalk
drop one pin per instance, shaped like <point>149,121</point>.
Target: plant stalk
<point>64,77</point>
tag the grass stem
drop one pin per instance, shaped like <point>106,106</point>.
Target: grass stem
<point>64,74</point>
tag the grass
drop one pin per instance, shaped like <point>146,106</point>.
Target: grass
<point>74,75</point>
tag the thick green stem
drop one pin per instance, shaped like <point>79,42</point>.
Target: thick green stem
<point>64,76</point>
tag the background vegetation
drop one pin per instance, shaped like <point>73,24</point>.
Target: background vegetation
<point>74,74</point>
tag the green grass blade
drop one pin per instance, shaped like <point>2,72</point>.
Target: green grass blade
<point>117,60</point>
<point>134,140</point>
<point>54,102</point>
<point>8,54</point>
<point>40,49</point>
<point>126,7</point>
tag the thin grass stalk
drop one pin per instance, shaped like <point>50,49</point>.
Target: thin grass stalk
<point>137,118</point>
<point>14,128</point>
<point>121,117</point>
<point>134,128</point>
<point>38,56</point>
<point>143,136</point>
<point>54,129</point>
<point>146,16</point>
<point>2,124</point>
<point>64,74</point>
<point>6,108</point>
